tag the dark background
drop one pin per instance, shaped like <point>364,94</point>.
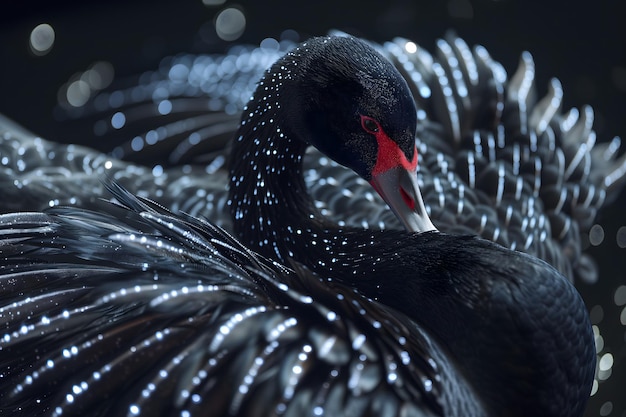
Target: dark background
<point>581,43</point>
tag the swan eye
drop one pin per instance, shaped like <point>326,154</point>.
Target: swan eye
<point>369,125</point>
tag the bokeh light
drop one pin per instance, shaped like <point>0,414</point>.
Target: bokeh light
<point>605,366</point>
<point>83,86</point>
<point>620,295</point>
<point>621,237</point>
<point>596,235</point>
<point>411,47</point>
<point>596,314</point>
<point>41,39</point>
<point>606,409</point>
<point>620,300</point>
<point>99,75</point>
<point>118,120</point>
<point>77,93</point>
<point>230,24</point>
<point>606,362</point>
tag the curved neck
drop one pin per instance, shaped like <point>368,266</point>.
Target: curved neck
<point>268,198</point>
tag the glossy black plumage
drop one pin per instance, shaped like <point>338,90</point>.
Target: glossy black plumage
<point>496,158</point>
<point>432,277</point>
<point>132,310</point>
<point>160,311</point>
<point>518,267</point>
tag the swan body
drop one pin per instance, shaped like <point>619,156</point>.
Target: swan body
<point>169,314</point>
<point>323,94</point>
<point>496,159</point>
<point>157,310</point>
<point>131,310</point>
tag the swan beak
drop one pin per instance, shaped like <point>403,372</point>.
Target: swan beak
<point>398,187</point>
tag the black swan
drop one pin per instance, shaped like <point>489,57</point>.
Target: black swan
<point>133,309</point>
<point>495,160</point>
